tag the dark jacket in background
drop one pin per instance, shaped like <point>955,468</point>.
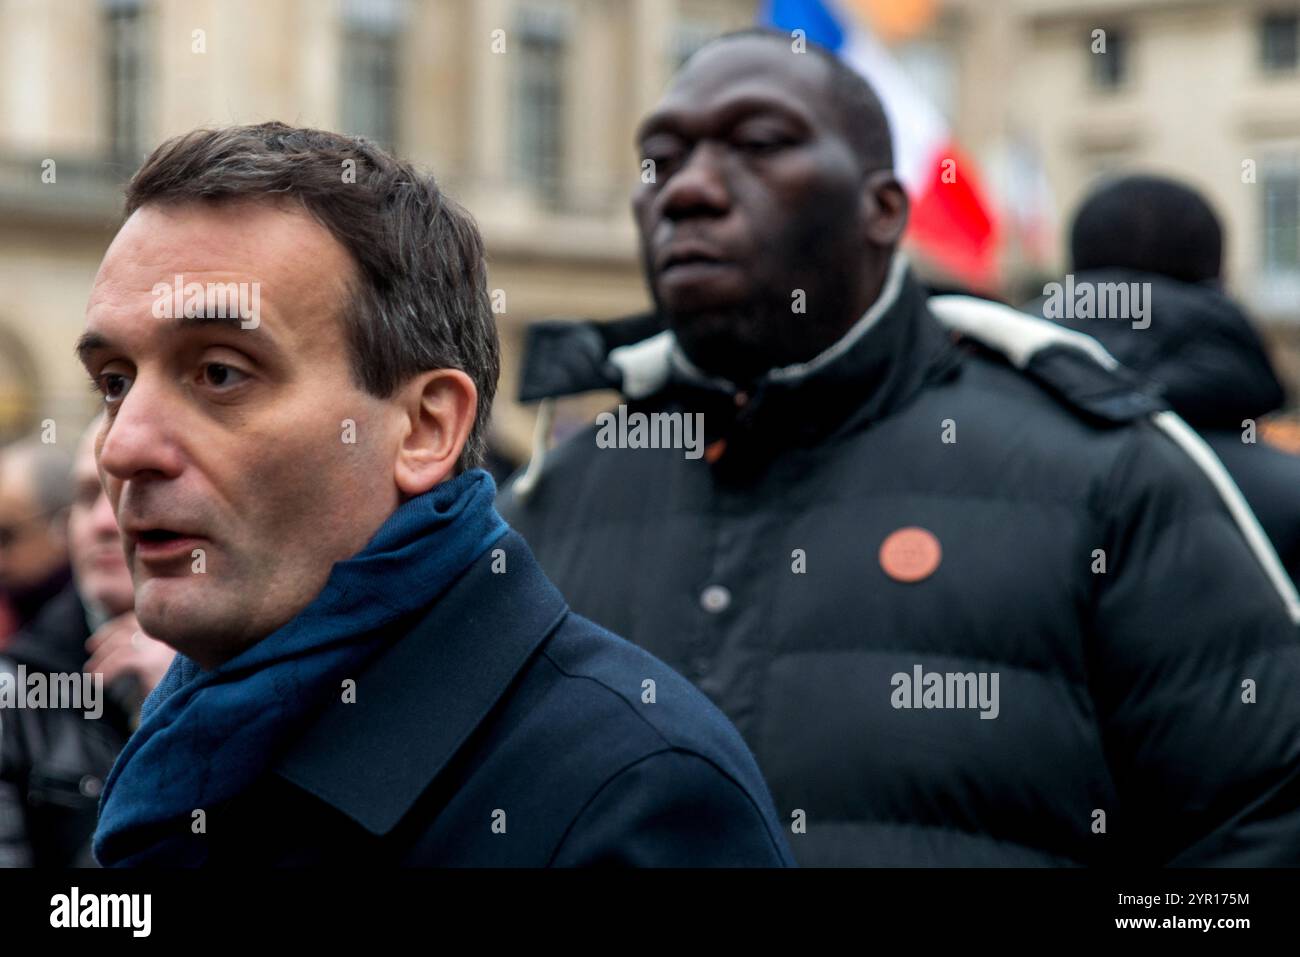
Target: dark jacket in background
<point>1203,352</point>
<point>759,575</point>
<point>53,761</point>
<point>19,609</point>
<point>500,729</point>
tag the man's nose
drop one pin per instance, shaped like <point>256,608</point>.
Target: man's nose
<point>698,188</point>
<point>141,437</point>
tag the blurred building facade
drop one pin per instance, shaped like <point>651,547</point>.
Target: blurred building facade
<point>525,111</point>
<point>1204,90</point>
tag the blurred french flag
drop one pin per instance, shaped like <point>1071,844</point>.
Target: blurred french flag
<point>951,223</point>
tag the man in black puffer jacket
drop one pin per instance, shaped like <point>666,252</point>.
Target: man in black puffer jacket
<point>1196,344</point>
<point>969,593</point>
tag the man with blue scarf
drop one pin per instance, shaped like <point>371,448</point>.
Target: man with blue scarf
<point>293,340</point>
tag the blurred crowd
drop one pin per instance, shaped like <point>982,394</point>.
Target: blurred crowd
<point>65,603</point>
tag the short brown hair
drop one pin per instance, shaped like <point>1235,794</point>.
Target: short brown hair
<point>420,298</point>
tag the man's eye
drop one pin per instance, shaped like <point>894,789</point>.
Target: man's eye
<point>663,152</point>
<point>219,375</point>
<point>111,385</point>
<point>662,161</point>
<point>761,145</point>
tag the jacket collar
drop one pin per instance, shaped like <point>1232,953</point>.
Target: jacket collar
<point>877,365</point>
<point>637,356</point>
<point>824,362</point>
<point>894,350</point>
<point>419,701</point>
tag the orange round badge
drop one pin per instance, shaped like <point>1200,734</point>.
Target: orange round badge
<point>910,554</point>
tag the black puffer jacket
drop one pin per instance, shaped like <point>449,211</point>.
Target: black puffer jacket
<point>1212,369</point>
<point>760,572</point>
<point>53,761</point>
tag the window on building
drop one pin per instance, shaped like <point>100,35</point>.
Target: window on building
<point>1110,59</point>
<point>1279,41</point>
<point>1280,190</point>
<point>370,85</point>
<point>540,57</point>
<point>126,51</point>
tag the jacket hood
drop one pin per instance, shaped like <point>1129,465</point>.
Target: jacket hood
<point>1199,348</point>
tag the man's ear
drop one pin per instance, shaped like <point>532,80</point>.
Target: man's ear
<point>439,408</point>
<point>884,208</point>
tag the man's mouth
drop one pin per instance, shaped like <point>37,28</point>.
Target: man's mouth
<point>693,274</point>
<point>164,544</point>
<point>689,256</point>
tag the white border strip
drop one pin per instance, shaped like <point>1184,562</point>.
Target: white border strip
<point>1204,456</point>
<point>1017,335</point>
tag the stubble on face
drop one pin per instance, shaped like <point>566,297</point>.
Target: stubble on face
<point>282,474</point>
<point>760,174</point>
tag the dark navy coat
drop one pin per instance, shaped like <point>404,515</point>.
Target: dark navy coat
<point>503,730</point>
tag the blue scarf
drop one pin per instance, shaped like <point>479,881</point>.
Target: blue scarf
<point>206,736</point>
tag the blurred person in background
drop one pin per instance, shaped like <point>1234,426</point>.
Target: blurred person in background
<point>35,489</point>
<point>901,506</point>
<point>1200,347</point>
<point>53,761</point>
